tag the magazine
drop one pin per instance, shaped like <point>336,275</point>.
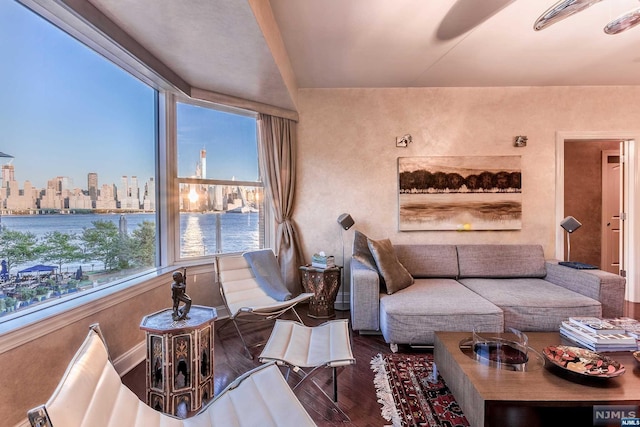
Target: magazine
<point>631,326</point>
<point>582,333</point>
<point>597,325</point>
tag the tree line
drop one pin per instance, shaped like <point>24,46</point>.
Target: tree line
<point>422,181</point>
<point>102,243</point>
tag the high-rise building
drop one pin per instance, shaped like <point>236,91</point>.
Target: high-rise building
<point>8,174</point>
<point>106,199</point>
<point>149,200</point>
<point>134,193</point>
<point>203,164</point>
<point>92,186</point>
<point>60,184</point>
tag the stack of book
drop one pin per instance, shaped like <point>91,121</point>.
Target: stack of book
<point>597,334</point>
<point>323,261</point>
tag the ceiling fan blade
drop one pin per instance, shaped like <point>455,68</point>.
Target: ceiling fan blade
<point>560,11</point>
<point>465,15</point>
<point>623,22</point>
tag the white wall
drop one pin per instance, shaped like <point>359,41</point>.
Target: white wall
<point>348,159</point>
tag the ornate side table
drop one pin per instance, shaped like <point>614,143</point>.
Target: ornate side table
<point>179,360</point>
<point>324,283</point>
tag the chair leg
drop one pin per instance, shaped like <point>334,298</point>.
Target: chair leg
<point>335,385</point>
<point>297,315</point>
<point>244,343</point>
<point>305,376</point>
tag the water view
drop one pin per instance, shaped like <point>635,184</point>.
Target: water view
<point>201,234</point>
<point>238,231</point>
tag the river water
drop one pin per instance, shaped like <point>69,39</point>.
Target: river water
<point>239,231</point>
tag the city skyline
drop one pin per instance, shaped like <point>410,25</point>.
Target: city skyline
<point>61,193</point>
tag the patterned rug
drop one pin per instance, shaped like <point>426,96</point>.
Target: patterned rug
<point>410,396</point>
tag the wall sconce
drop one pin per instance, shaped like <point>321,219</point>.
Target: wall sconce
<point>403,141</point>
<point>520,141</point>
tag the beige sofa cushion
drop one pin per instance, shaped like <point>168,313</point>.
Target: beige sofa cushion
<point>395,276</point>
<point>501,261</point>
<point>361,250</point>
<point>429,260</point>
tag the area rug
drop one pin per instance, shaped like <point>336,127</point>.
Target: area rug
<point>410,395</point>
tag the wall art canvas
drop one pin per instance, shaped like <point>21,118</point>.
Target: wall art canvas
<point>462,193</point>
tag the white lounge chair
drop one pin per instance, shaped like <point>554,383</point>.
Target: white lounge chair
<point>245,300</point>
<point>91,394</point>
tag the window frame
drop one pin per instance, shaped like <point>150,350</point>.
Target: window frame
<point>268,221</point>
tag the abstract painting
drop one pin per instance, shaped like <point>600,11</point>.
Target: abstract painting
<point>462,193</point>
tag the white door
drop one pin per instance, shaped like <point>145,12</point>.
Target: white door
<point>611,209</point>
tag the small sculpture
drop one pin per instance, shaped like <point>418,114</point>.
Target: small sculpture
<point>178,288</point>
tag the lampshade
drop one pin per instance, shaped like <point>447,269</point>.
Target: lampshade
<point>570,224</point>
<point>560,11</point>
<point>345,221</point>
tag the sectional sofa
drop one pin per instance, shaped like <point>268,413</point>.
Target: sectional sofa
<point>462,287</point>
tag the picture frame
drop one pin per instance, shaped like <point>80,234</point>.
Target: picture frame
<point>461,193</point>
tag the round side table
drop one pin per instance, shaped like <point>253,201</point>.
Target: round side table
<point>324,283</point>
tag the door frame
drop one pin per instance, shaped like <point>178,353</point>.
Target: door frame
<point>631,233</point>
<point>605,233</point>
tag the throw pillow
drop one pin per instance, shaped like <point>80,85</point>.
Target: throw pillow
<point>361,250</point>
<point>395,276</point>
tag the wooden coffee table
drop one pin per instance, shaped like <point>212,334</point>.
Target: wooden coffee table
<point>490,396</point>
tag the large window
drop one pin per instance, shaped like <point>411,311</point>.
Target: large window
<point>78,193</point>
<point>221,198</point>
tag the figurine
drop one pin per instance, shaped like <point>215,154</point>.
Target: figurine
<point>178,288</point>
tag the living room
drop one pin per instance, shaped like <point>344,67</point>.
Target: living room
<point>347,161</point>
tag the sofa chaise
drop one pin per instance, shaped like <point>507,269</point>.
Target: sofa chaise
<point>490,288</point>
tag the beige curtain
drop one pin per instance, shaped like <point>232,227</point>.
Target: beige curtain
<point>278,164</point>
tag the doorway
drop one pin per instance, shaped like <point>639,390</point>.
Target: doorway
<point>584,194</point>
<point>629,233</point>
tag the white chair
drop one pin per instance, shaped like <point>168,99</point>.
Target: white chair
<point>299,347</point>
<point>243,297</point>
<point>91,394</point>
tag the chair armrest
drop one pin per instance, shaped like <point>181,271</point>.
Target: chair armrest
<point>365,297</point>
<point>608,288</point>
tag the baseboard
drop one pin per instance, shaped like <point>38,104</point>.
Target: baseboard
<point>130,359</point>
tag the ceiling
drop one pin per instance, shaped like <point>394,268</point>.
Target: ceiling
<point>225,46</point>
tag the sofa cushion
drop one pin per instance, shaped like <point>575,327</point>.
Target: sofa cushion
<point>412,315</point>
<point>532,304</point>
<point>501,261</point>
<point>361,250</point>
<point>395,276</point>
<point>429,260</point>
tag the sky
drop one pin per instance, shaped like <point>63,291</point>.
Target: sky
<point>67,111</point>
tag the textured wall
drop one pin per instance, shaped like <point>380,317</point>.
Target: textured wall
<point>348,159</point>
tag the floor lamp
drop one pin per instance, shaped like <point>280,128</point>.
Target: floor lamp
<point>570,224</point>
<point>346,222</point>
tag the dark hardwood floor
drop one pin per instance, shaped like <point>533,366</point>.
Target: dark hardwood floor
<point>356,393</point>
